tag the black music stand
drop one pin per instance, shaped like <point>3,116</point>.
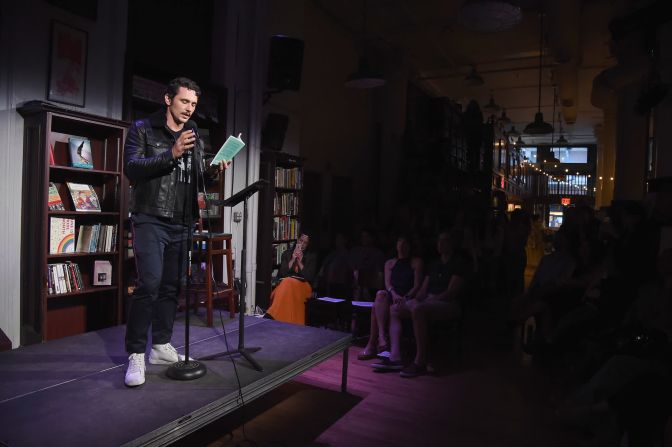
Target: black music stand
<point>241,196</point>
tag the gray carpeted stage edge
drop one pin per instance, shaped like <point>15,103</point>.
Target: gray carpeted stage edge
<point>71,392</point>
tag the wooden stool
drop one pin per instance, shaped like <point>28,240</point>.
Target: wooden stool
<point>216,244</point>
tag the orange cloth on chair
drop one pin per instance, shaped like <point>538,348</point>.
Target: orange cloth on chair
<point>289,301</point>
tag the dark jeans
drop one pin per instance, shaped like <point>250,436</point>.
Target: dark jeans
<point>161,261</point>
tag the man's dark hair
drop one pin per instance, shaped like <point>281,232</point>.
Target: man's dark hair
<point>174,85</point>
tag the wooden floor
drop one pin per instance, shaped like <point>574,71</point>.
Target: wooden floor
<point>489,396</point>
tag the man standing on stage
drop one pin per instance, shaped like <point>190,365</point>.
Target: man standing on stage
<point>163,159</point>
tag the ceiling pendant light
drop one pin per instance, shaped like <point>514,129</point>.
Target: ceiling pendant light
<point>519,141</point>
<point>513,132</point>
<point>491,107</point>
<point>562,141</point>
<point>473,79</point>
<point>503,119</point>
<point>539,126</point>
<point>489,16</point>
<point>364,77</point>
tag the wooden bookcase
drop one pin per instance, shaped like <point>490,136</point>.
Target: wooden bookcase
<point>47,128</point>
<point>280,208</point>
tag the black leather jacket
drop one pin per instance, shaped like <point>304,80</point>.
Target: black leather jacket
<point>150,167</point>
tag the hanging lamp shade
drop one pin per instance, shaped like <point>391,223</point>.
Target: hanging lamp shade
<point>539,126</point>
<point>473,79</point>
<point>513,132</point>
<point>519,141</point>
<point>503,119</point>
<point>562,140</point>
<point>364,77</point>
<point>491,106</point>
<point>489,16</point>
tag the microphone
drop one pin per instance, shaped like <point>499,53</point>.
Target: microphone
<point>191,125</point>
<point>194,128</point>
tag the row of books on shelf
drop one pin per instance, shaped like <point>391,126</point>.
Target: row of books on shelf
<point>286,204</point>
<point>288,178</point>
<point>285,227</point>
<point>84,198</point>
<point>80,154</point>
<point>66,277</point>
<point>278,250</point>
<point>96,238</point>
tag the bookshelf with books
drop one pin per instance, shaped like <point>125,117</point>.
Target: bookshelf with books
<point>73,196</point>
<point>279,217</point>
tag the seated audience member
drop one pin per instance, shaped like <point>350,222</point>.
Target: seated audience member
<point>403,275</point>
<point>642,348</point>
<point>297,271</point>
<point>366,262</point>
<point>335,277</point>
<point>437,299</point>
<point>550,278</point>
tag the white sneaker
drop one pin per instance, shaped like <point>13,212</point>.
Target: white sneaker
<point>135,373</point>
<point>164,354</point>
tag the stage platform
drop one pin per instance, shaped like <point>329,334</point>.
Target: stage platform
<point>70,392</point>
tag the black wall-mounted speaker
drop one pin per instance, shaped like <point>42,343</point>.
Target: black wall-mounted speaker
<point>284,64</point>
<point>273,133</point>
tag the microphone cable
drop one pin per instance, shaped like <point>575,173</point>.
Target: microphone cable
<point>235,285</point>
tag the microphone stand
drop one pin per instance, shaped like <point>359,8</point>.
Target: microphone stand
<point>189,369</point>
<point>245,352</point>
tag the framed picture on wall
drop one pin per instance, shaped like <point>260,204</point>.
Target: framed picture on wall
<point>67,65</point>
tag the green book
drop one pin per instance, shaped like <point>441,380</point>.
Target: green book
<point>229,149</point>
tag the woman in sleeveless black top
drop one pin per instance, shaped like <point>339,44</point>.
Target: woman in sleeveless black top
<point>403,276</point>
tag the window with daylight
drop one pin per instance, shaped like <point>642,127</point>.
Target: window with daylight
<point>571,154</point>
<point>530,153</point>
<point>571,184</point>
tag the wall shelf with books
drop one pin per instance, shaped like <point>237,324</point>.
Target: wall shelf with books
<point>80,255</point>
<point>71,267</point>
<point>83,292</point>
<point>75,213</point>
<point>279,217</point>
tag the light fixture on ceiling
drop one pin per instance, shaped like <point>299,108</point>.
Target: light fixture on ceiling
<point>473,79</point>
<point>513,132</point>
<point>539,126</point>
<point>364,77</point>
<point>562,140</point>
<point>489,16</point>
<point>503,119</point>
<point>491,106</point>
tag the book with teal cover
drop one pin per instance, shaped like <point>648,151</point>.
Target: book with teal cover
<point>80,153</point>
<point>229,149</point>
